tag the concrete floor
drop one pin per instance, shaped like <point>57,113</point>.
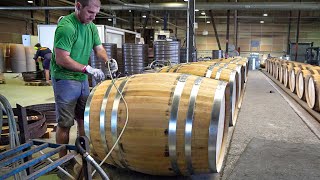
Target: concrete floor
<point>264,119</point>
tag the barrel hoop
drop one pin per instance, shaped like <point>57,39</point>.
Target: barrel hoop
<point>177,68</point>
<point>86,118</point>
<point>189,123</point>
<point>219,73</point>
<point>210,70</point>
<point>233,82</point>
<point>103,120</point>
<point>170,67</point>
<point>114,121</point>
<point>213,127</point>
<point>172,138</point>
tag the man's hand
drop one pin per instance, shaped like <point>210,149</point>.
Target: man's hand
<point>113,65</point>
<point>96,73</point>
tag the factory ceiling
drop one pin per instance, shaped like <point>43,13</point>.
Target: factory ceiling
<point>247,10</point>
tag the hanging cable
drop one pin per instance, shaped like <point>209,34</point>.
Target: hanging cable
<point>127,114</point>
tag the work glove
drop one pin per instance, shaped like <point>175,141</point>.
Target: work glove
<point>96,73</point>
<point>113,65</point>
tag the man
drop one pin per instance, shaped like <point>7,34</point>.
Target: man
<point>45,54</point>
<point>75,37</point>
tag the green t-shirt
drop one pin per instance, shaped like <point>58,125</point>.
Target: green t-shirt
<point>76,38</point>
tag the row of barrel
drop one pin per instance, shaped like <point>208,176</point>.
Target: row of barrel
<point>178,118</point>
<point>17,58</point>
<point>302,79</point>
<point>133,58</point>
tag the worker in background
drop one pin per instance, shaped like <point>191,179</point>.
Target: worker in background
<point>75,37</point>
<point>45,54</point>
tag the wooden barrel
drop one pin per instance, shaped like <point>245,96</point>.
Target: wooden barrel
<point>292,78</point>
<point>214,72</point>
<point>18,58</point>
<point>238,61</point>
<point>301,81</point>
<point>281,73</point>
<point>176,123</point>
<point>234,66</point>
<point>312,91</point>
<point>31,64</point>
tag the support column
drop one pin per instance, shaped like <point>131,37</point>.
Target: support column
<point>297,35</point>
<point>190,31</point>
<point>289,31</point>
<point>46,12</point>
<point>227,36</point>
<point>215,29</point>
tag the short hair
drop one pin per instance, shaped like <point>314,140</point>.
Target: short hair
<point>84,3</point>
<point>38,45</point>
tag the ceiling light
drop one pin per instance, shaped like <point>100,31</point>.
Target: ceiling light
<point>261,22</point>
<point>30,2</point>
<point>265,14</point>
<point>196,10</point>
<point>208,22</point>
<point>129,10</point>
<point>144,16</point>
<point>157,21</point>
<point>109,19</point>
<point>205,32</point>
<point>203,13</point>
<point>185,0</point>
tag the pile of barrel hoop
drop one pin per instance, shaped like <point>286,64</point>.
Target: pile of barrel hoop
<point>302,79</point>
<point>178,118</point>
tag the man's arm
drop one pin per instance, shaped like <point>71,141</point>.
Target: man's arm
<point>36,56</point>
<point>63,59</point>
<point>101,53</point>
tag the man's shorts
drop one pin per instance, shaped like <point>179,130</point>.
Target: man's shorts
<point>70,98</point>
<point>46,61</point>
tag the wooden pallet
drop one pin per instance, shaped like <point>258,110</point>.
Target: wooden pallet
<point>37,83</point>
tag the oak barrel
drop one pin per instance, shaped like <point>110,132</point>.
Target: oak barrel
<point>18,58</point>
<point>312,94</point>
<point>31,64</point>
<point>214,72</point>
<point>176,123</point>
<point>301,81</point>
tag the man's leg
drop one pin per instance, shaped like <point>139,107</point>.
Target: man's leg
<point>46,67</point>
<point>47,74</point>
<point>62,137</point>
<point>80,107</point>
<point>67,93</point>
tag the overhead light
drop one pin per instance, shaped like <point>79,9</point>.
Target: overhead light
<point>196,10</point>
<point>265,14</point>
<point>203,13</point>
<point>109,19</point>
<point>205,32</point>
<point>144,16</point>
<point>208,22</point>
<point>129,10</point>
<point>261,22</point>
<point>157,21</point>
<point>30,2</point>
<point>185,0</point>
